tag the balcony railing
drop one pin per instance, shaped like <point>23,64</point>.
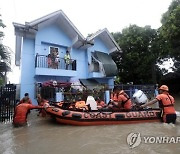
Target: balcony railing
<point>42,61</point>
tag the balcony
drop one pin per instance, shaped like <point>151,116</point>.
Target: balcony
<point>57,67</point>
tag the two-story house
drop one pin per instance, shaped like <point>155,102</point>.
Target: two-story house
<point>41,46</point>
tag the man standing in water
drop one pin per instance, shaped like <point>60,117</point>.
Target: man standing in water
<point>26,99</point>
<point>166,102</point>
<point>21,112</point>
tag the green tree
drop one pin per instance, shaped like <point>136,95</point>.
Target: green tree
<point>5,60</point>
<point>138,59</point>
<point>170,32</point>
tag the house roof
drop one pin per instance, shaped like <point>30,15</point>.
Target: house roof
<point>57,17</point>
<point>106,36</point>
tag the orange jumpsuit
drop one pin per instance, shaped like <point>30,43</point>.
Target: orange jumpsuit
<point>20,114</point>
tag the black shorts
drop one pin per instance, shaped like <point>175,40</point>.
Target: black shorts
<point>171,118</point>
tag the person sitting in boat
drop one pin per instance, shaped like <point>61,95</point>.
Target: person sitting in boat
<point>25,99</point>
<point>125,101</point>
<point>114,95</point>
<point>100,103</point>
<point>41,101</point>
<point>21,112</point>
<point>120,100</point>
<point>166,102</point>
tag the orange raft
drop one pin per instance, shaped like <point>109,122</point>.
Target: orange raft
<point>88,118</point>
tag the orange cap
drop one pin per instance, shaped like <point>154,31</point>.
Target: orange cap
<point>164,87</point>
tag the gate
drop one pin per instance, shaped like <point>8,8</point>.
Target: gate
<point>7,102</point>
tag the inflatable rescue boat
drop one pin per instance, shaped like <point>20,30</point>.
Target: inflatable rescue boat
<point>102,117</point>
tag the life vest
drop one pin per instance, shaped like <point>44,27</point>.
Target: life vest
<point>81,105</point>
<point>114,97</point>
<point>125,101</point>
<point>166,102</point>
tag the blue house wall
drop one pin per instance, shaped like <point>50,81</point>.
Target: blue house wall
<point>27,68</point>
<point>52,35</point>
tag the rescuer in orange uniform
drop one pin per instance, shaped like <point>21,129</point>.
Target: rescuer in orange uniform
<point>21,112</point>
<point>25,99</point>
<point>121,100</point>
<point>124,100</point>
<point>166,102</point>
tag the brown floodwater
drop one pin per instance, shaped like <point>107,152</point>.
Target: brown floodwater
<point>43,136</point>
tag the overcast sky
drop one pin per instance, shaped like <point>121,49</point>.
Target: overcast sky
<point>87,15</point>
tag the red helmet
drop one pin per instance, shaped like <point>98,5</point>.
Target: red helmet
<point>164,87</point>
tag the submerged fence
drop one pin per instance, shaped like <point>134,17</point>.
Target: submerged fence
<point>7,102</point>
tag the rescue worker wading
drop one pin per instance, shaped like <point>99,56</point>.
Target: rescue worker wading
<point>21,112</point>
<point>166,102</point>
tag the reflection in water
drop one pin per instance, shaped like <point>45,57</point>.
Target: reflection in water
<point>42,136</point>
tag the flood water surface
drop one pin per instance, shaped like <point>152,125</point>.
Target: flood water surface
<point>43,136</point>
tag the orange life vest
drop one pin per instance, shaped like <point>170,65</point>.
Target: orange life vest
<point>166,102</point>
<point>125,101</point>
<point>81,105</point>
<point>114,96</point>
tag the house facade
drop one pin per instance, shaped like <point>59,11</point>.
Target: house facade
<point>41,46</point>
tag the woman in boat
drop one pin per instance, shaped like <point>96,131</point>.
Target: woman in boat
<point>166,102</point>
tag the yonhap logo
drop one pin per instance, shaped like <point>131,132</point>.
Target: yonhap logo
<point>133,140</point>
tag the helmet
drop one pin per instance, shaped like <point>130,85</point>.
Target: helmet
<point>164,87</point>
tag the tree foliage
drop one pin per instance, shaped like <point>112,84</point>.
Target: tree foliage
<point>137,62</point>
<point>170,31</point>
<point>144,47</point>
<point>5,59</point>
